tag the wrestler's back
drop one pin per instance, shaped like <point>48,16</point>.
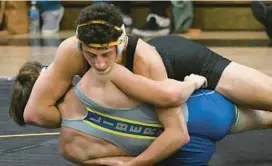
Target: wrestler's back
<point>78,145</point>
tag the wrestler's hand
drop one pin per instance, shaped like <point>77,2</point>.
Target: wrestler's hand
<point>199,81</point>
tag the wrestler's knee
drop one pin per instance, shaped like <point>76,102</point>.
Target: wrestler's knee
<point>225,85</point>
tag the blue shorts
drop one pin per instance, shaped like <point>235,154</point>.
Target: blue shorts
<point>210,118</point>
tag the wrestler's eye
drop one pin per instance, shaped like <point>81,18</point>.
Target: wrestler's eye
<point>106,54</point>
<point>92,55</point>
<point>89,54</point>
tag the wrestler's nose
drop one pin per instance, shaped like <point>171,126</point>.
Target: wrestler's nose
<point>100,63</point>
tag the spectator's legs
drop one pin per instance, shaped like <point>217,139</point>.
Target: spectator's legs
<point>125,7</point>
<point>268,25</point>
<point>263,14</point>
<point>52,13</point>
<point>157,22</point>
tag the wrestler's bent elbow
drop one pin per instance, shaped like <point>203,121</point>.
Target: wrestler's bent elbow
<point>186,138</point>
<point>178,140</point>
<point>183,136</point>
<point>42,117</point>
<point>32,116</point>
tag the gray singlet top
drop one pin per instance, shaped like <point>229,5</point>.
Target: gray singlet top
<point>132,130</point>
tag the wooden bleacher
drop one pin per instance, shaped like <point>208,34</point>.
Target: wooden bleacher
<point>209,15</point>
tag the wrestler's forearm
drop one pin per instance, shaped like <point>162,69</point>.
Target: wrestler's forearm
<point>172,138</point>
<point>142,88</point>
<point>52,118</point>
<point>107,161</point>
<point>46,118</point>
<point>159,150</point>
<point>164,93</point>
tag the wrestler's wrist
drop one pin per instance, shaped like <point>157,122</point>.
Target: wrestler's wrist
<point>193,83</point>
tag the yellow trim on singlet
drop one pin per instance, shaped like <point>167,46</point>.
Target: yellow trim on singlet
<point>118,133</point>
<point>123,119</point>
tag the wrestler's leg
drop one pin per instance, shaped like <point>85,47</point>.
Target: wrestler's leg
<point>248,119</point>
<point>246,86</point>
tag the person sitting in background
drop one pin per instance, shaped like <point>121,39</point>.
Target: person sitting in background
<point>157,21</point>
<point>51,14</point>
<point>263,14</point>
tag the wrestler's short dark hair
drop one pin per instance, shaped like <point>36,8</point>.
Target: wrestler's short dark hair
<point>99,33</point>
<point>21,90</point>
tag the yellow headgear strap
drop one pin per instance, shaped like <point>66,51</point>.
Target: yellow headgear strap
<point>99,22</point>
<point>96,45</point>
<point>105,45</point>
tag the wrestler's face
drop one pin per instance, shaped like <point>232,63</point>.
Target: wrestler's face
<point>99,58</point>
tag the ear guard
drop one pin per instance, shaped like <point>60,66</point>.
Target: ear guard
<point>123,38</point>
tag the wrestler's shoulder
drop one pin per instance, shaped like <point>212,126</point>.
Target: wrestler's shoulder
<point>69,43</point>
<point>69,46</point>
<point>145,51</point>
<point>141,51</point>
<point>69,54</point>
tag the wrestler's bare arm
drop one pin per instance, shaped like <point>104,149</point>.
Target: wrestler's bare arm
<point>142,88</point>
<point>164,93</point>
<point>52,85</point>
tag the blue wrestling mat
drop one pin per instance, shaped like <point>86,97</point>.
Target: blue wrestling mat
<point>33,146</point>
